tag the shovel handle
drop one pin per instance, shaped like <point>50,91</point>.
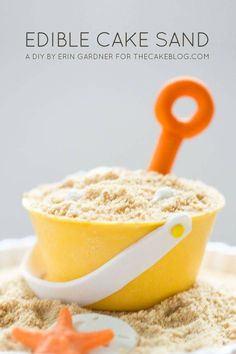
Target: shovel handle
<point>173,130</point>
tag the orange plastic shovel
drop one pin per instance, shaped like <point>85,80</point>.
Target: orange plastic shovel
<point>173,130</point>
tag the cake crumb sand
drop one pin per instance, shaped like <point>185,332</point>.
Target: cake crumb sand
<point>120,195</point>
<point>203,316</point>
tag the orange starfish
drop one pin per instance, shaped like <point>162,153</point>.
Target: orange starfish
<point>63,338</point>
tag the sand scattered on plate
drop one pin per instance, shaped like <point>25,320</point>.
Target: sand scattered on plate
<point>200,317</point>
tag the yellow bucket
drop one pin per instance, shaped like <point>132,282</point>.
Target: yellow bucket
<point>69,249</point>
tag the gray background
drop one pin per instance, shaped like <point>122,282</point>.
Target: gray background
<point>59,117</point>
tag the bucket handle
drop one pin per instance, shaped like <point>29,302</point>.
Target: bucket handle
<point>117,272</point>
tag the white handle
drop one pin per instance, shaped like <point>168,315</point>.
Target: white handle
<point>119,271</point>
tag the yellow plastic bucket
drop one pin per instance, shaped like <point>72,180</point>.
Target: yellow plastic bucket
<point>69,249</point>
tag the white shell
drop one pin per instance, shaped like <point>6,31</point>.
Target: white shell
<point>164,193</point>
<point>125,338</point>
<point>74,194</point>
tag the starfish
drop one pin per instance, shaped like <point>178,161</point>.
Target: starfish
<point>63,338</point>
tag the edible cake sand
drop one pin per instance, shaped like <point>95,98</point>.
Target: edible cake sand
<point>120,195</point>
<point>203,316</point>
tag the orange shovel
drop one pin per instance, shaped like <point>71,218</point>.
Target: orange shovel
<point>173,130</point>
